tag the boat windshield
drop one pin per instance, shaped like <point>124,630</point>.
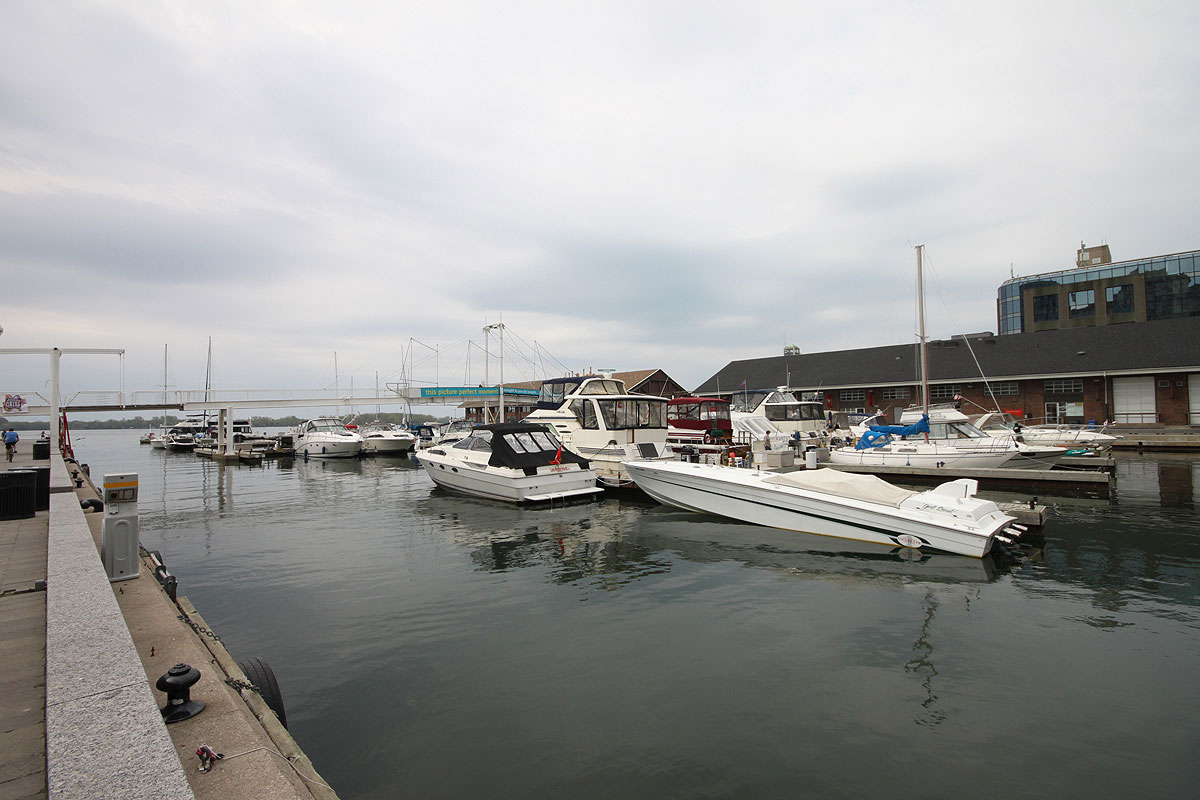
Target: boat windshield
<point>746,402</point>
<point>955,430</point>
<point>477,440</point>
<point>532,442</point>
<point>793,410</point>
<point>627,413</point>
<point>553,392</point>
<point>327,425</point>
<point>603,387</point>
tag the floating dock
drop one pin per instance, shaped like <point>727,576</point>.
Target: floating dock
<point>1038,479</point>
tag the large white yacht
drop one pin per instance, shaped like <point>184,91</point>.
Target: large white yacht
<point>326,437</point>
<point>598,419</point>
<point>781,408</point>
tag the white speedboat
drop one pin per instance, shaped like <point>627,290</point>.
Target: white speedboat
<point>826,502</point>
<point>326,437</point>
<point>1071,437</point>
<point>906,446</point>
<point>948,425</point>
<point>386,439</point>
<point>597,419</point>
<point>517,462</point>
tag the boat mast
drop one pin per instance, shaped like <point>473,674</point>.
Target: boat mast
<point>924,351</point>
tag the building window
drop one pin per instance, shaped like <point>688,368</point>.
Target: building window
<point>1119,299</point>
<point>944,391</point>
<point>1082,303</point>
<point>1003,388</point>
<point>1064,386</point>
<point>1045,308</point>
<point>895,393</point>
<point>853,395</point>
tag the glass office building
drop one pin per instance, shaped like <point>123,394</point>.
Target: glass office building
<point>1162,287</point>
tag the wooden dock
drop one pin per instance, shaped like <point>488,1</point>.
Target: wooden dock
<point>1041,479</point>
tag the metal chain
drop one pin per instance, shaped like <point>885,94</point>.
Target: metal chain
<point>200,629</point>
<point>243,685</point>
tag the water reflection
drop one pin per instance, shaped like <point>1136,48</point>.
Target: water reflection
<point>922,664</point>
<point>625,539</point>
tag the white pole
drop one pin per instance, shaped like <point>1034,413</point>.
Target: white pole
<point>921,315</point>
<point>55,355</point>
<point>502,370</point>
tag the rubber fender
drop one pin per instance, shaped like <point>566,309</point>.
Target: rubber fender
<point>259,673</point>
<point>92,504</point>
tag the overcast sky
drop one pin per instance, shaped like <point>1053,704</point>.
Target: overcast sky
<point>632,185</point>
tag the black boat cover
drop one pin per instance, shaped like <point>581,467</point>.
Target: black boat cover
<point>527,446</point>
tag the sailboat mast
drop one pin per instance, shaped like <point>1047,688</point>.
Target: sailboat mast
<point>924,350</point>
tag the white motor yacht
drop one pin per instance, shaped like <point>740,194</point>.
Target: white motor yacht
<point>597,419</point>
<point>386,439</point>
<point>326,437</point>
<point>183,435</point>
<point>517,462</point>
<point>826,502</point>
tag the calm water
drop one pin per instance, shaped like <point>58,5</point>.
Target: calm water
<point>434,646</point>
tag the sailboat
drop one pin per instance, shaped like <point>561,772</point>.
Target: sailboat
<point>910,445</point>
<point>159,442</point>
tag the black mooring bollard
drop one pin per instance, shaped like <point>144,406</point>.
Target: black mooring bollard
<point>177,683</point>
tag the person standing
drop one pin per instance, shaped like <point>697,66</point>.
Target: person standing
<point>10,443</point>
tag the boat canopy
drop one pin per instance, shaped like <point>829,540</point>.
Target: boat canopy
<point>879,435</point>
<point>844,484</point>
<point>525,446</point>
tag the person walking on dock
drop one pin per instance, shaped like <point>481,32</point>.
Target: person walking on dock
<point>10,443</point>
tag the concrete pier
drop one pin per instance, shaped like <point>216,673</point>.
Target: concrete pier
<point>79,717</point>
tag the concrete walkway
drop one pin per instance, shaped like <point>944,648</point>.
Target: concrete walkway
<point>23,649</point>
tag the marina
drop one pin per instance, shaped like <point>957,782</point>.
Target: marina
<point>569,649</point>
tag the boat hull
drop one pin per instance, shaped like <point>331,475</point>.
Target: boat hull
<point>915,456</point>
<point>388,447</point>
<point>324,448</point>
<point>743,495</point>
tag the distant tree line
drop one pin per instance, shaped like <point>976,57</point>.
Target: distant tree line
<point>141,423</point>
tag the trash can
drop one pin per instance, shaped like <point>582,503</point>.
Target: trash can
<point>41,450</point>
<point>810,458</point>
<point>18,494</point>
<point>43,488</point>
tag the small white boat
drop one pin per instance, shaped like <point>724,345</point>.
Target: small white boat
<point>386,439</point>
<point>517,462</point>
<point>326,437</point>
<point>826,502</point>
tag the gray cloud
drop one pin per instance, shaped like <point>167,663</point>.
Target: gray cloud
<point>631,184</point>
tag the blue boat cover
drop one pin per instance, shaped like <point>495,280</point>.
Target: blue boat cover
<point>879,435</point>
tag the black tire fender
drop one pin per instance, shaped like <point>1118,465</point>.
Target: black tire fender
<point>259,673</point>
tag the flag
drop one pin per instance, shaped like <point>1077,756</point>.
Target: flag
<point>557,456</point>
